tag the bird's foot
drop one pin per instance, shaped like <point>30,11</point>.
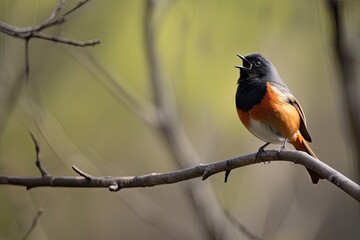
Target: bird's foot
<point>261,150</point>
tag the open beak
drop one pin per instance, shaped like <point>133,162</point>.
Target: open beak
<point>246,63</point>
<point>245,69</point>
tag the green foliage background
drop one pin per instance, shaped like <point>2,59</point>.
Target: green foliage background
<point>87,125</point>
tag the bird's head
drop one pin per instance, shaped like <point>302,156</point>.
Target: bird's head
<point>255,66</point>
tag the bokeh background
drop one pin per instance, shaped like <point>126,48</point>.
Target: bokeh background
<point>78,119</point>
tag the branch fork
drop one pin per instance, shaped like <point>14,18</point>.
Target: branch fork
<point>35,32</point>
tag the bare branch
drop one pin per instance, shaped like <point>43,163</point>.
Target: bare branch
<point>35,31</point>
<point>154,179</point>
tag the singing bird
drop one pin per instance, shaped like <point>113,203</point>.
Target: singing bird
<point>267,108</point>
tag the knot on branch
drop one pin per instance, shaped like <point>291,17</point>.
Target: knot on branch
<point>114,187</point>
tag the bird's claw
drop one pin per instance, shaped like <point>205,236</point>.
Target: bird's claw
<point>260,151</point>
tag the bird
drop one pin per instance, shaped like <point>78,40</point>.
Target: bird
<point>268,109</point>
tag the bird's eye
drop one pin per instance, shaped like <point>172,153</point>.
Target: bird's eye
<point>257,64</point>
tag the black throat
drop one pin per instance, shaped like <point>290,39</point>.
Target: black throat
<point>250,92</point>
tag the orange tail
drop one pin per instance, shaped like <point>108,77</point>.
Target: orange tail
<point>301,144</point>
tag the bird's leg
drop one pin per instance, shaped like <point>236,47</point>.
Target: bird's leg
<point>261,149</point>
<point>283,146</point>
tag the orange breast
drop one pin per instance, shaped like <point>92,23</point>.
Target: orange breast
<point>273,111</point>
<point>278,114</point>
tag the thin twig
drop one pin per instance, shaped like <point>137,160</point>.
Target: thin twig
<point>81,173</point>
<point>27,60</point>
<point>38,163</point>
<point>64,40</point>
<point>52,20</point>
<point>55,11</point>
<point>78,5</point>
<point>154,179</point>
<point>33,224</point>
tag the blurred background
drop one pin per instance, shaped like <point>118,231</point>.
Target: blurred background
<point>76,103</point>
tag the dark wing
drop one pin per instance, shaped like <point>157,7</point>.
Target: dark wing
<point>303,129</point>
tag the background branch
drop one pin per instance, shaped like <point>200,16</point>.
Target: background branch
<point>28,33</point>
<point>215,224</point>
<point>35,31</point>
<point>346,55</point>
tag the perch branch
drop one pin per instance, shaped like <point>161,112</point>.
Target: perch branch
<point>203,170</point>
